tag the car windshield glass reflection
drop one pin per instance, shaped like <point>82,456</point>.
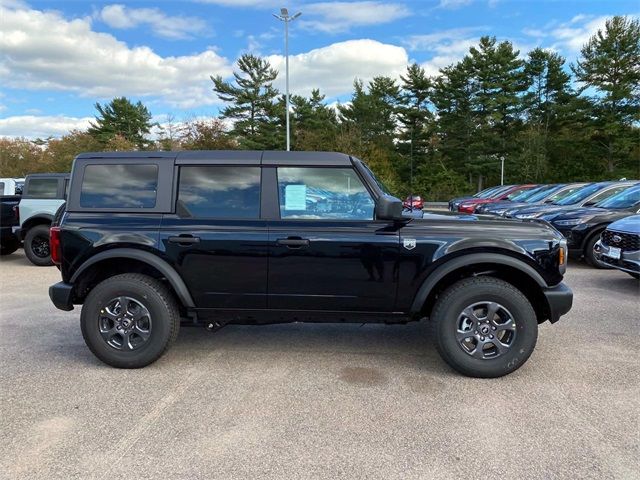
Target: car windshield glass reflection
<point>579,195</point>
<point>626,199</point>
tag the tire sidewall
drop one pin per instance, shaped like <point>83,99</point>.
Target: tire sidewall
<point>524,343</point>
<point>160,323</point>
<point>38,230</point>
<point>590,255</point>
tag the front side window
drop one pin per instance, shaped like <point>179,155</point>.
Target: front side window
<point>219,192</point>
<point>323,193</point>
<point>606,194</point>
<point>119,186</point>
<point>43,187</point>
<point>627,198</point>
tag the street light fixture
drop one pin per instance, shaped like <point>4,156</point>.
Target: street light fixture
<point>286,18</point>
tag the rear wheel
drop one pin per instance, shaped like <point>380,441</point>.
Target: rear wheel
<point>485,327</point>
<point>129,320</point>
<point>36,246</point>
<point>590,255</point>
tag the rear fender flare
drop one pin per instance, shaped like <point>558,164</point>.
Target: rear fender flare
<point>154,261</point>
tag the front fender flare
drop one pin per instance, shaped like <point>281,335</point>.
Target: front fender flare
<point>464,261</point>
<point>149,258</point>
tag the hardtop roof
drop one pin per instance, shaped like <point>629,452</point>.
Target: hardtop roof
<point>244,157</point>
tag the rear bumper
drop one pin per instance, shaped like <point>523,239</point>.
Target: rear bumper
<point>61,296</point>
<point>559,299</point>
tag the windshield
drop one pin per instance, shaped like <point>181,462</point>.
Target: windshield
<point>579,195</point>
<point>625,199</point>
<point>524,196</point>
<point>542,193</point>
<point>487,192</point>
<point>563,193</point>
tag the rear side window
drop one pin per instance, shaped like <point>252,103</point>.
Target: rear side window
<point>219,192</point>
<point>323,193</point>
<point>119,186</point>
<point>43,187</point>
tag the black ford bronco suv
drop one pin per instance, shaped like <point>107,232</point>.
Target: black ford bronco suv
<point>148,241</point>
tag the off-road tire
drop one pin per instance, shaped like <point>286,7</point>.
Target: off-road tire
<point>159,301</point>
<point>34,235</point>
<point>451,303</point>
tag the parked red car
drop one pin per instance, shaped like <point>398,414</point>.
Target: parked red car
<point>413,202</point>
<point>470,205</point>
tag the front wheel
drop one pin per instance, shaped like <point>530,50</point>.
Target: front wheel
<point>590,255</point>
<point>129,320</point>
<point>485,327</point>
<point>36,246</point>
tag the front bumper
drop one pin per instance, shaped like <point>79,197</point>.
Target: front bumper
<point>629,260</point>
<point>559,300</point>
<point>61,295</point>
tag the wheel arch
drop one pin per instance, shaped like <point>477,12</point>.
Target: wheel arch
<point>128,260</point>
<point>516,272</point>
<point>39,219</point>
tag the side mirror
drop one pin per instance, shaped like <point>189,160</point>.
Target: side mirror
<point>389,208</point>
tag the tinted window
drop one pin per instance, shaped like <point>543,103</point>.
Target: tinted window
<point>119,186</point>
<point>219,192</point>
<point>606,194</point>
<point>323,193</point>
<point>2,187</point>
<point>624,199</point>
<point>579,194</point>
<point>43,187</point>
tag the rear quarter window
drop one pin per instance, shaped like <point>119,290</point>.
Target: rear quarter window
<point>119,186</point>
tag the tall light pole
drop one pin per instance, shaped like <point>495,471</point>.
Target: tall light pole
<point>286,18</point>
<point>501,170</point>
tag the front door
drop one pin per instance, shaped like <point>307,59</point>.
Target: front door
<point>327,252</point>
<point>216,239</point>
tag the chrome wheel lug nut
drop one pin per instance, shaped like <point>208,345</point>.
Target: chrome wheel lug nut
<point>493,328</point>
<point>482,338</point>
<point>490,336</point>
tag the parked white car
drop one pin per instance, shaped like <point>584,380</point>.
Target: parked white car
<point>43,194</point>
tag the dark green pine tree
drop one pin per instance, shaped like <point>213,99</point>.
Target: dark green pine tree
<point>252,103</point>
<point>544,107</point>
<point>499,80</point>
<point>121,118</point>
<point>610,64</point>
<point>416,118</point>
<point>314,124</point>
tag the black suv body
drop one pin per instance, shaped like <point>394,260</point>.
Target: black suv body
<point>261,237</point>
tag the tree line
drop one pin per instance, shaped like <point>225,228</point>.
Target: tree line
<point>436,136</point>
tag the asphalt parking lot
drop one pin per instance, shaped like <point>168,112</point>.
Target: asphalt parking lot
<point>318,401</point>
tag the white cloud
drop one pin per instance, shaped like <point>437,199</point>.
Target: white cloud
<point>32,126</point>
<point>447,46</point>
<point>454,4</point>
<point>571,36</point>
<point>333,68</point>
<point>243,3</point>
<point>172,27</point>
<point>45,51</point>
<point>334,17</point>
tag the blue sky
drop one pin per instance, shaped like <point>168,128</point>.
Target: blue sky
<point>58,58</point>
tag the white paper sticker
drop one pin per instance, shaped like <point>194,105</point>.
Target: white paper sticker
<point>295,197</point>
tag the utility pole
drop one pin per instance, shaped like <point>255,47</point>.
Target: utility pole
<point>284,17</point>
<point>501,170</point>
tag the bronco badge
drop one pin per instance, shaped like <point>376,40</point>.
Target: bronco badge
<point>409,243</point>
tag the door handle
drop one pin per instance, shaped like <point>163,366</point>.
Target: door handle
<point>293,242</point>
<point>184,239</point>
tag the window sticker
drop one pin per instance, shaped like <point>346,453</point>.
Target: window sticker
<point>295,197</point>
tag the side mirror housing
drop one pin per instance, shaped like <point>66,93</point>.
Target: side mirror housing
<point>389,208</point>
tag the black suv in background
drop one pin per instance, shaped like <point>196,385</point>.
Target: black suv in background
<point>148,240</point>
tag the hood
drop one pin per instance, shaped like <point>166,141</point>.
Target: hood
<point>504,204</point>
<point>627,225</point>
<point>538,209</point>
<point>582,212</point>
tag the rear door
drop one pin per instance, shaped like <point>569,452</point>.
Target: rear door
<point>327,252</point>
<point>216,239</point>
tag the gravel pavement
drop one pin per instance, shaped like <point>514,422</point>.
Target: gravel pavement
<point>318,401</point>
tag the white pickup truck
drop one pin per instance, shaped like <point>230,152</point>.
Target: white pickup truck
<point>43,194</point>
